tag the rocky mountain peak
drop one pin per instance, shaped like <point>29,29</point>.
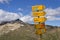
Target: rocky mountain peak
<point>13,21</point>
<point>7,26</point>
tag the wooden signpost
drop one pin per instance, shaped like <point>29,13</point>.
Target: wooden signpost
<point>39,17</point>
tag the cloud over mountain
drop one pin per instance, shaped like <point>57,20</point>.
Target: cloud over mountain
<point>8,16</point>
<point>51,15</point>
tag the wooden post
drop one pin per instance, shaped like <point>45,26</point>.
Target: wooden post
<point>40,36</point>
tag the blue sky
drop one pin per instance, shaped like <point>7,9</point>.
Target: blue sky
<point>23,7</point>
<point>13,5</point>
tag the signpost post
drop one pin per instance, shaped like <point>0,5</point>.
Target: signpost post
<point>39,17</point>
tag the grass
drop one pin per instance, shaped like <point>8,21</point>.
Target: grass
<point>52,36</point>
<point>49,35</point>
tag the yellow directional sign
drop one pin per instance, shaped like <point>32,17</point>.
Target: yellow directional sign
<point>41,7</point>
<point>37,26</point>
<point>42,13</point>
<point>34,8</point>
<point>38,7</point>
<point>41,20</point>
<point>40,31</point>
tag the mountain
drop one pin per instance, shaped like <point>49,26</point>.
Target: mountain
<point>13,21</point>
<point>18,30</point>
<point>7,26</point>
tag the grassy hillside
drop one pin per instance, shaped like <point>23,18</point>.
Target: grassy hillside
<point>27,32</point>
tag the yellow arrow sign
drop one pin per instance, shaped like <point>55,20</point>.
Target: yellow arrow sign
<point>34,8</point>
<point>41,20</point>
<point>42,13</point>
<point>38,7</point>
<point>41,7</point>
<point>40,31</point>
<point>37,26</point>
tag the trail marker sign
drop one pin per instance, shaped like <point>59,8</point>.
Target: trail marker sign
<point>38,7</point>
<point>41,26</point>
<point>40,31</point>
<point>41,20</point>
<point>42,13</point>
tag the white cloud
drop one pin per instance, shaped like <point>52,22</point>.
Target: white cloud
<point>26,18</point>
<point>52,18</point>
<point>20,9</point>
<point>6,1</point>
<point>53,13</point>
<point>8,16</point>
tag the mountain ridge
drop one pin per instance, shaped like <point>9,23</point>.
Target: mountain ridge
<point>19,30</point>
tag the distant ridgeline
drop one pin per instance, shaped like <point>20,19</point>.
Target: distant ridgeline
<point>13,21</point>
